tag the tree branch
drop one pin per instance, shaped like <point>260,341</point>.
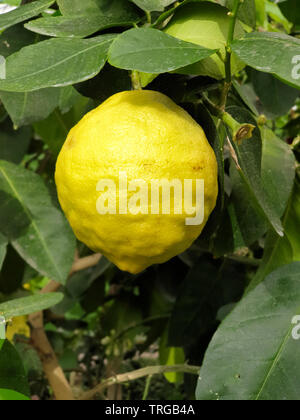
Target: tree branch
<point>54,373</point>
<point>78,265</point>
<point>137,374</point>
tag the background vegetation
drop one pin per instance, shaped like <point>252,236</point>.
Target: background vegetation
<point>228,303</point>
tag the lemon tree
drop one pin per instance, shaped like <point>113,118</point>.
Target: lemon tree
<point>149,200</point>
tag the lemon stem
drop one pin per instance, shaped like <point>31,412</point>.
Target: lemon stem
<point>228,78</point>
<point>233,18</point>
<point>149,18</point>
<point>135,80</point>
<point>239,131</point>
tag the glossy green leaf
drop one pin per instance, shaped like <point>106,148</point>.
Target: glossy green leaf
<point>29,305</point>
<point>78,7</point>
<point>248,95</point>
<point>80,282</point>
<point>68,98</point>
<point>36,228</point>
<point>278,170</point>
<point>152,51</point>
<point>111,8</point>
<point>12,373</point>
<point>54,129</point>
<point>9,395</point>
<point>15,38</point>
<point>281,251</point>
<point>13,143</point>
<point>77,27</point>
<point>281,100</point>
<point>253,355</point>
<point>248,187</point>
<point>204,291</point>
<point>274,53</point>
<point>3,247</point>
<point>23,13</point>
<point>277,178</point>
<point>30,357</point>
<point>153,5</point>
<point>55,62</point>
<point>28,107</point>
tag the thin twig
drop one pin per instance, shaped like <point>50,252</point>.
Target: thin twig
<point>137,374</point>
<point>244,260</point>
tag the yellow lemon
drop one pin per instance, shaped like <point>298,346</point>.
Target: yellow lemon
<point>113,174</point>
<point>206,24</point>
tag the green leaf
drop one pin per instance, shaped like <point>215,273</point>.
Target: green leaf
<point>15,38</point>
<point>152,51</point>
<point>204,291</point>
<point>153,5</point>
<point>274,53</point>
<point>282,251</point>
<point>13,143</point>
<point>54,129</point>
<point>248,186</point>
<point>3,247</point>
<point>78,7</point>
<point>253,355</point>
<point>23,13</point>
<point>36,228</point>
<point>30,357</point>
<point>80,282</point>
<point>9,395</point>
<point>283,96</point>
<point>68,98</point>
<point>28,107</point>
<point>278,170</point>
<point>12,375</point>
<point>57,62</point>
<point>77,27</point>
<point>248,95</point>
<point>29,305</point>
<point>277,178</point>
<point>110,8</point>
